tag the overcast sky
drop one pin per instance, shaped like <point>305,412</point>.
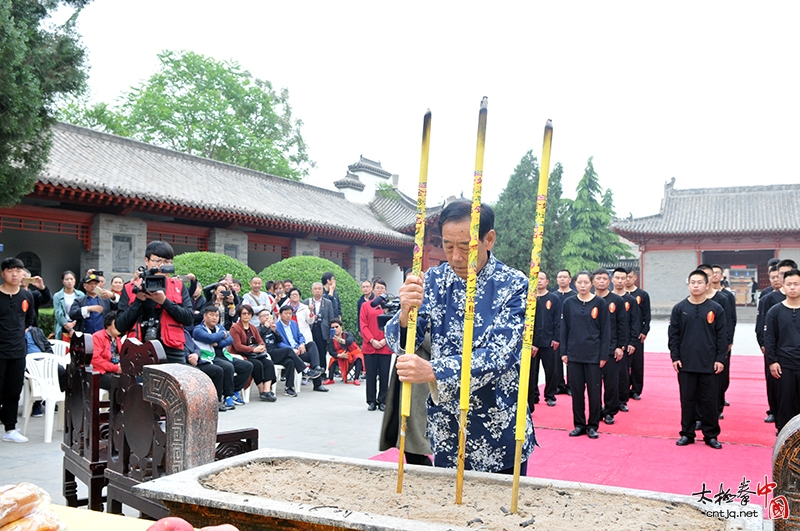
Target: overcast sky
<point>706,92</point>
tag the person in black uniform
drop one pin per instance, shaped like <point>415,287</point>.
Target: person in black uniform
<point>723,300</point>
<point>546,336</point>
<point>564,290</point>
<point>730,318</point>
<point>634,320</point>
<point>585,343</point>
<point>637,358</point>
<point>618,327</point>
<point>782,342</point>
<point>698,343</point>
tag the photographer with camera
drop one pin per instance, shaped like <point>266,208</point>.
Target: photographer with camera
<point>156,306</point>
<point>377,355</point>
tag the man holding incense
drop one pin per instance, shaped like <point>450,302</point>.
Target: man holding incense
<point>497,343</point>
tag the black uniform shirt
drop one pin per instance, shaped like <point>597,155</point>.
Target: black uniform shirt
<point>782,336</point>
<point>697,335</point>
<point>547,324</point>
<point>585,331</point>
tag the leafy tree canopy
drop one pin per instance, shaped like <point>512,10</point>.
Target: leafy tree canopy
<point>305,270</point>
<point>38,63</point>
<point>515,216</point>
<point>590,241</point>
<point>204,107</point>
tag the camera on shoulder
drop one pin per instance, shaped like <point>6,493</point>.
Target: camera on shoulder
<point>151,280</point>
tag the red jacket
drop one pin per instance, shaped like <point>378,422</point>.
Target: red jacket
<point>239,336</point>
<point>101,353</point>
<point>370,330</point>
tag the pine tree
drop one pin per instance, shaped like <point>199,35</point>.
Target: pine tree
<point>515,216</point>
<point>590,240</point>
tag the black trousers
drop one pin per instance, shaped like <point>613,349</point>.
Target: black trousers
<point>788,400</point>
<point>724,382</point>
<point>12,377</point>
<point>699,394</point>
<point>235,373</point>
<point>610,376</point>
<point>290,361</point>
<point>546,357</point>
<point>378,366</point>
<point>321,343</point>
<point>311,355</point>
<point>263,369</point>
<point>623,378</point>
<point>216,373</point>
<point>584,378</point>
<point>772,389</point>
<point>637,368</point>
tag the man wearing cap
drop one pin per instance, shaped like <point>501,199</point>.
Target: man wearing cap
<point>88,311</point>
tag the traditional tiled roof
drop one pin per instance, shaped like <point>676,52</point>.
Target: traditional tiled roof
<point>400,211</point>
<point>103,164</point>
<point>349,181</point>
<point>369,166</point>
<point>733,210</point>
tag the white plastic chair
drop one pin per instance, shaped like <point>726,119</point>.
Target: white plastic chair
<point>41,383</point>
<point>298,378</point>
<point>61,348</point>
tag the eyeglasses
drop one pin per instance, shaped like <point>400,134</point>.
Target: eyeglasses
<point>159,261</point>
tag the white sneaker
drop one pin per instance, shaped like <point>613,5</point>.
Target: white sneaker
<point>14,436</point>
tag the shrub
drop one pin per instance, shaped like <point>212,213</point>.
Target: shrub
<point>47,321</point>
<point>210,267</point>
<point>305,270</point>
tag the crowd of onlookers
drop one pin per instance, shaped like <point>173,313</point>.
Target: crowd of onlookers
<point>236,336</point>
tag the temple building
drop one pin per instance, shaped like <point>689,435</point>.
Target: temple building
<point>739,228</point>
<point>103,197</point>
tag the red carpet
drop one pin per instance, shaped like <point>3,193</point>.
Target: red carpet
<point>639,450</point>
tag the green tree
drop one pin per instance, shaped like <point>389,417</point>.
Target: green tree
<point>38,63</point>
<point>515,215</point>
<point>305,270</point>
<point>590,241</point>
<point>204,107</point>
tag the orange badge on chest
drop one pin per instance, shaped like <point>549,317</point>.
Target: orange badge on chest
<point>638,299</point>
<point>594,312</point>
<point>627,306</point>
<point>25,305</point>
<point>710,317</point>
<point>548,304</point>
<point>612,307</point>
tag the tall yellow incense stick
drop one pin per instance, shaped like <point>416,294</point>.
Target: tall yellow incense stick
<point>416,269</point>
<point>530,311</point>
<point>469,314</point>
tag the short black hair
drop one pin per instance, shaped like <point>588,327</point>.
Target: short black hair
<point>109,318</point>
<point>284,308</point>
<point>244,307</point>
<point>326,277</point>
<point>210,308</point>
<point>268,285</point>
<point>600,271</point>
<point>792,273</point>
<point>773,267</point>
<point>262,310</point>
<point>705,267</point>
<point>160,249</point>
<point>379,281</point>
<point>787,263</point>
<point>565,271</point>
<point>12,263</point>
<point>701,273</point>
<point>629,270</point>
<point>619,270</point>
<point>773,262</point>
<point>289,293</point>
<point>237,282</point>
<point>68,272</point>
<point>336,320</point>
<point>461,210</point>
<point>584,272</point>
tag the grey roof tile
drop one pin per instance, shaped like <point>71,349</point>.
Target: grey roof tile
<point>85,159</point>
<point>732,210</point>
<point>401,213</point>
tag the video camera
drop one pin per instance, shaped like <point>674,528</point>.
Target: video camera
<point>151,281</point>
<point>390,308</point>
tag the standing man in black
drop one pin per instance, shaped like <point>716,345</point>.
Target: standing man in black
<point>637,358</point>
<point>782,341</point>
<point>726,303</point>
<point>158,314</point>
<point>329,290</point>
<point>698,343</point>
<point>546,336</point>
<point>585,343</point>
<point>564,290</point>
<point>321,327</point>
<point>618,327</point>
<point>634,320</point>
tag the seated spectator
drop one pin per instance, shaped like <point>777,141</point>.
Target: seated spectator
<point>62,302</point>
<point>88,311</point>
<point>247,342</point>
<point>285,356</point>
<point>106,347</point>
<point>306,350</point>
<point>37,342</point>
<point>213,340</point>
<point>214,372</point>
<point>345,353</point>
<point>303,315</point>
<point>198,301</point>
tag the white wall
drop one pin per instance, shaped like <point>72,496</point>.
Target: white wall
<point>392,274</point>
